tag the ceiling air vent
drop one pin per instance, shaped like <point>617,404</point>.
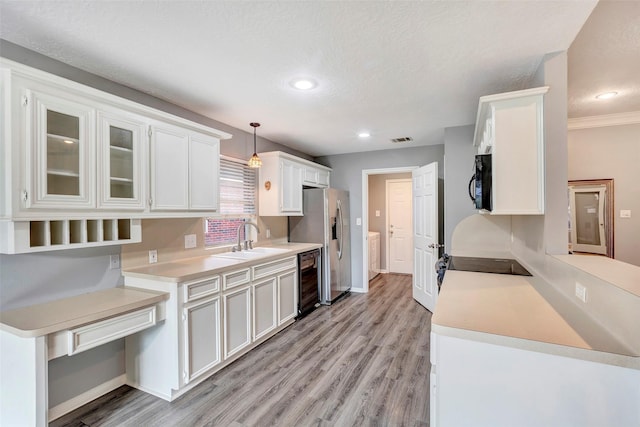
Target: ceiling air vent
<point>403,139</point>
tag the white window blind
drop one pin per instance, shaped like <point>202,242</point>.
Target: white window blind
<point>237,187</point>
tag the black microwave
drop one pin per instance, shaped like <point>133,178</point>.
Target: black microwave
<point>480,184</point>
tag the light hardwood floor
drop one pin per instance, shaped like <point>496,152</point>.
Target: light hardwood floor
<point>363,361</point>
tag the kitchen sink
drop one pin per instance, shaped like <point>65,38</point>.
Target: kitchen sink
<point>254,253</point>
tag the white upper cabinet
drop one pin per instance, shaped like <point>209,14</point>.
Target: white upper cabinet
<point>121,140</point>
<point>204,173</point>
<point>509,126</point>
<point>81,167</point>
<point>281,179</point>
<point>59,134</point>
<point>184,170</point>
<point>169,164</point>
<point>291,185</point>
<point>76,150</point>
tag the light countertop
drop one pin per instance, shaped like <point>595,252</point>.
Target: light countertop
<point>194,268</point>
<point>509,310</point>
<point>620,274</point>
<point>43,319</point>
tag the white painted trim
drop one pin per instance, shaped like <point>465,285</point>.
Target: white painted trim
<point>630,118</point>
<point>384,271</point>
<point>365,218</point>
<point>86,397</point>
<point>386,217</point>
<point>360,290</point>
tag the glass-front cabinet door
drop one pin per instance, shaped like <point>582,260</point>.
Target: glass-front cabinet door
<point>120,173</point>
<point>61,138</point>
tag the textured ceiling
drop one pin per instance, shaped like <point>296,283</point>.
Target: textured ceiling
<point>396,69</point>
<point>605,57</point>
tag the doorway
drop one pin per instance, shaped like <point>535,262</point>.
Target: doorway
<point>591,216</point>
<point>374,213</point>
<point>399,228</point>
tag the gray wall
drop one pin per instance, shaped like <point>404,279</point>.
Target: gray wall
<point>378,201</point>
<point>347,175</point>
<point>613,152</point>
<point>459,154</point>
<point>34,278</point>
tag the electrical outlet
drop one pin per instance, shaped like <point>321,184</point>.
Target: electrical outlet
<point>114,262</point>
<point>377,212</point>
<point>153,256</point>
<point>581,292</point>
<point>358,221</point>
<point>189,241</point>
<point>268,233</point>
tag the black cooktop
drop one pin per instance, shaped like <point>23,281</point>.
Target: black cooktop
<point>487,265</point>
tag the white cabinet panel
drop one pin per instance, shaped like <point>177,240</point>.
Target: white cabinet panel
<point>201,346</point>
<point>59,169</point>
<point>264,307</point>
<point>169,163</point>
<point>287,296</point>
<point>204,169</point>
<point>291,182</point>
<point>121,143</point>
<point>237,321</point>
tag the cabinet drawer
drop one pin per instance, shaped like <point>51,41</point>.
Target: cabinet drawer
<point>95,334</point>
<point>235,278</point>
<point>202,288</point>
<point>263,270</point>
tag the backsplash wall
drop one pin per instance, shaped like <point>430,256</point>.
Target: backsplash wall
<point>167,237</point>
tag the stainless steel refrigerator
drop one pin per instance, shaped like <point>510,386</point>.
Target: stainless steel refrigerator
<point>326,221</point>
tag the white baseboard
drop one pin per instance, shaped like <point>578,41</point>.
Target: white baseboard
<point>358,290</point>
<point>86,397</point>
<point>384,271</point>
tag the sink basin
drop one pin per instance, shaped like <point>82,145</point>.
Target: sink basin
<point>267,250</point>
<point>254,253</point>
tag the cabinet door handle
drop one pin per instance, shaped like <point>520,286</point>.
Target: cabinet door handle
<point>150,202</point>
<point>25,195</point>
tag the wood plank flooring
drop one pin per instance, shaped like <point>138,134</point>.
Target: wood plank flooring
<point>362,361</point>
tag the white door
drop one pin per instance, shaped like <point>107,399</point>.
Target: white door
<point>202,337</point>
<point>425,234</point>
<point>587,219</point>
<point>204,172</point>
<point>400,231</point>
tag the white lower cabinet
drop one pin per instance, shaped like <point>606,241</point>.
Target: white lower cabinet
<point>287,296</point>
<point>265,305</point>
<point>237,320</point>
<point>210,322</point>
<point>201,341</point>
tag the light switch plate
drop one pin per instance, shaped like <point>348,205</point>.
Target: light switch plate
<point>190,241</point>
<point>625,213</point>
<point>153,256</point>
<point>377,213</point>
<point>358,221</point>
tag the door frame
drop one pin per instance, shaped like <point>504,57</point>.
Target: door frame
<point>365,216</point>
<point>386,220</point>
<point>609,213</point>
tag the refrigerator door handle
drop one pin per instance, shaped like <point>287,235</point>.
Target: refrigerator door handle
<point>341,229</point>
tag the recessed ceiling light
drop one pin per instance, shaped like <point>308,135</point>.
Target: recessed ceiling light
<point>364,135</point>
<point>303,84</point>
<point>606,95</point>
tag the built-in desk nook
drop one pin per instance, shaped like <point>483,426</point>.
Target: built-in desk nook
<point>31,336</point>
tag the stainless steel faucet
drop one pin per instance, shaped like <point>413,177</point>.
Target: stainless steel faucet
<point>248,244</point>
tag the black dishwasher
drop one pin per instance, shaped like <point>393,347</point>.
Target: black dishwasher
<point>308,282</point>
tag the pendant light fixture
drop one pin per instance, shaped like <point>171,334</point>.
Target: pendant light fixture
<point>254,161</point>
